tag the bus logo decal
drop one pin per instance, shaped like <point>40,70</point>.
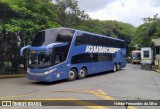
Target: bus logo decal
<point>100,49</point>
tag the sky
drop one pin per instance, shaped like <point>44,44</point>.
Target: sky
<point>128,11</point>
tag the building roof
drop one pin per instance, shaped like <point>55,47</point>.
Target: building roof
<point>156,42</point>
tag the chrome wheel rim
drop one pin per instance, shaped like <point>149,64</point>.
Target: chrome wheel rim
<point>82,73</point>
<point>71,75</point>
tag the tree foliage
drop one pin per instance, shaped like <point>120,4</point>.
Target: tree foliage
<point>110,28</point>
<point>69,13</point>
<point>147,31</point>
<point>20,20</point>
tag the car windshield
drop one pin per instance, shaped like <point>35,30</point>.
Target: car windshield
<point>39,60</point>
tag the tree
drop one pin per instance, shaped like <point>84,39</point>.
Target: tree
<point>69,13</point>
<point>147,31</point>
<point>18,31</point>
<point>7,14</point>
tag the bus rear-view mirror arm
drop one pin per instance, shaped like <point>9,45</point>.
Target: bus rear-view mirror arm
<point>22,49</point>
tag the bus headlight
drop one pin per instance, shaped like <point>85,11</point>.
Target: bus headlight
<point>50,71</point>
<point>47,72</point>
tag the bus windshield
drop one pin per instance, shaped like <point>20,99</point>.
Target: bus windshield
<point>136,56</point>
<point>46,37</point>
<point>40,60</point>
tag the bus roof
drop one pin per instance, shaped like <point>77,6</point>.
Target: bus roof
<point>85,32</point>
<point>136,51</point>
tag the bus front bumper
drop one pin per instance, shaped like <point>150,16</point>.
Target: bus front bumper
<point>136,61</point>
<point>37,77</point>
<point>47,76</point>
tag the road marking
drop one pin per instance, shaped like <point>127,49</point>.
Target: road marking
<point>106,97</point>
<point>75,91</point>
<point>80,102</point>
<point>22,95</point>
<point>76,101</point>
<point>99,93</point>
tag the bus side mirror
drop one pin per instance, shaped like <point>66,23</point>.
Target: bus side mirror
<point>23,48</point>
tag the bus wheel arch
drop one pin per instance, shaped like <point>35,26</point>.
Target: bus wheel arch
<point>82,73</point>
<point>72,75</point>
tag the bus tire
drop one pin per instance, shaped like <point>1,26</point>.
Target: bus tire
<point>115,68</point>
<point>118,67</point>
<point>72,75</point>
<point>82,74</point>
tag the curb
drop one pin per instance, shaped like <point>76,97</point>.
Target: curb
<point>12,76</point>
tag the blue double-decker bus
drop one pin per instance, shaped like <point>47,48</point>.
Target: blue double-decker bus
<point>64,53</point>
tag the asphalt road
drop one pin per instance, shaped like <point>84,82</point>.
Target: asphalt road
<point>130,83</point>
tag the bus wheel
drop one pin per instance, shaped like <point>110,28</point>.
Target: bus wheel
<point>115,68</point>
<point>118,67</point>
<point>82,74</point>
<point>72,75</point>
